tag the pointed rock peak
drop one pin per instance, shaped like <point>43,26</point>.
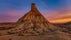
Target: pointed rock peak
<point>33,14</point>
<point>34,23</point>
<point>33,7</point>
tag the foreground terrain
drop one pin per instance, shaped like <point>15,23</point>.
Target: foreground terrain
<point>57,35</point>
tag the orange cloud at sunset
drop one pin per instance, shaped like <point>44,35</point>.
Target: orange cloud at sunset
<point>61,20</point>
<point>59,16</point>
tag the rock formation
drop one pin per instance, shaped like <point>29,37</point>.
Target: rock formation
<point>32,23</point>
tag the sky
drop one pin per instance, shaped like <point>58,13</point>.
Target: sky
<point>56,11</point>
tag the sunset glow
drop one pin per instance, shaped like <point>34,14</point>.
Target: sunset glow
<point>61,20</point>
<point>56,11</point>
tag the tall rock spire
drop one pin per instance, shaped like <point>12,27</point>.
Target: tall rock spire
<point>34,12</point>
<point>34,22</point>
<point>33,7</point>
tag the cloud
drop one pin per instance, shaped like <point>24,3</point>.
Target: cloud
<point>64,20</point>
<point>63,15</point>
<point>11,16</point>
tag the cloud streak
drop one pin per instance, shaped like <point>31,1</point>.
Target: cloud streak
<point>59,16</point>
